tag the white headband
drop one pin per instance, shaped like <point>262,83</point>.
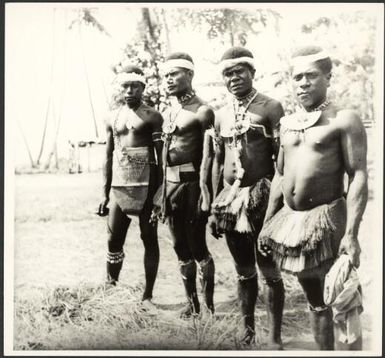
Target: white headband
<point>177,62</point>
<point>124,77</point>
<point>301,60</point>
<point>223,65</point>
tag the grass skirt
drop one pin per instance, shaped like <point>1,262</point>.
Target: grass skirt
<point>302,240</point>
<point>249,205</point>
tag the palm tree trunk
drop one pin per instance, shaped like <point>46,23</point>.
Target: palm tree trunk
<point>33,164</point>
<point>88,83</point>
<point>50,90</point>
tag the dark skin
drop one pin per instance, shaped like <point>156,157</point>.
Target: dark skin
<point>187,145</point>
<point>310,172</point>
<point>139,136</point>
<point>335,145</point>
<point>187,225</point>
<point>258,150</point>
<point>133,130</point>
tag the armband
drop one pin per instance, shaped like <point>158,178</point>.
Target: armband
<point>157,136</point>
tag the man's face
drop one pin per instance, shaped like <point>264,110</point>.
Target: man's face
<point>310,84</point>
<point>239,79</point>
<point>177,81</point>
<point>132,91</point>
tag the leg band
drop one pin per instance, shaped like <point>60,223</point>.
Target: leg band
<point>115,257</point>
<point>202,264</point>
<point>245,278</point>
<point>269,282</point>
<point>319,309</point>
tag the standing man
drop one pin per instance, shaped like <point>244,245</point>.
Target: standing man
<point>179,199</point>
<point>131,171</point>
<point>246,132</point>
<point>316,223</point>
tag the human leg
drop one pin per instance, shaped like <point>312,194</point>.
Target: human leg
<point>187,264</point>
<point>321,316</point>
<point>149,236</point>
<point>274,298</point>
<point>195,231</point>
<point>117,224</point>
<point>242,248</point>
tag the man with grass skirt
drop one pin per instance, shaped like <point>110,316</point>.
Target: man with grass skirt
<point>309,222</point>
<point>180,198</point>
<point>245,140</point>
<point>132,172</point>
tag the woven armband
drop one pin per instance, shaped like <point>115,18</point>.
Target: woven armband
<point>157,136</point>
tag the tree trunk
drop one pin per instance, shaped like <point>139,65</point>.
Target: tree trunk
<point>166,31</point>
<point>33,164</point>
<point>88,83</point>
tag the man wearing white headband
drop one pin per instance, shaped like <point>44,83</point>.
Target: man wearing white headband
<point>179,199</point>
<point>246,131</point>
<point>310,220</point>
<point>132,174</point>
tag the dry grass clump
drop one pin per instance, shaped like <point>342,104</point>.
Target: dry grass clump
<point>103,318</point>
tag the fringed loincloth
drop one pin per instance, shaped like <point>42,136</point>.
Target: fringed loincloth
<point>249,206</point>
<point>302,240</point>
<point>130,178</point>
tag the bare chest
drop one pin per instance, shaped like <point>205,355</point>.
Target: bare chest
<point>318,138</point>
<point>128,122</point>
<point>178,121</point>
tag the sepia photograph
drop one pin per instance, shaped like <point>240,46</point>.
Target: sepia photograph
<point>193,179</point>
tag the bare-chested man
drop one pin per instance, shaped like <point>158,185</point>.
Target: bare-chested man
<point>318,147</point>
<point>130,170</point>
<point>179,199</point>
<point>246,132</point>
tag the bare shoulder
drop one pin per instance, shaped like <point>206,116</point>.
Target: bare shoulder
<point>109,117</point>
<point>206,113</point>
<point>149,114</point>
<point>220,116</point>
<point>349,119</point>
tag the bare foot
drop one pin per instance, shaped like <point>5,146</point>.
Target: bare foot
<point>246,336</point>
<point>274,345</point>
<point>148,307</point>
<point>188,311</point>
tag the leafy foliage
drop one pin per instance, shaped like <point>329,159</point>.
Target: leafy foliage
<point>231,26</point>
<point>146,52</point>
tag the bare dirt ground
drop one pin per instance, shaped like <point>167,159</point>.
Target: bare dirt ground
<point>60,244</point>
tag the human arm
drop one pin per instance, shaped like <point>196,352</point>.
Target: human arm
<point>354,151</point>
<point>107,171</point>
<point>275,114</point>
<point>206,115</point>
<point>276,195</point>
<point>158,145</point>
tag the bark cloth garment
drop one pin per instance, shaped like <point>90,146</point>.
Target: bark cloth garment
<point>249,204</point>
<point>302,240</point>
<point>178,196</point>
<point>131,176</point>
<point>343,293</point>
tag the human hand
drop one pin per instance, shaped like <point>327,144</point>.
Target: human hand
<point>205,198</point>
<point>213,228</point>
<point>349,245</point>
<point>264,249</point>
<point>103,209</point>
